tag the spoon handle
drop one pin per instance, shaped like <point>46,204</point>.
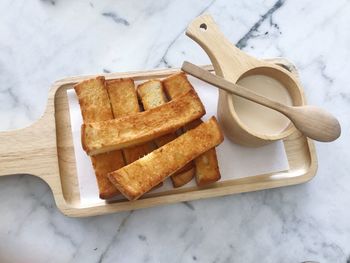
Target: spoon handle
<point>230,87</point>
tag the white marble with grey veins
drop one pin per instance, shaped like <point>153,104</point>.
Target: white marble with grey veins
<point>42,41</point>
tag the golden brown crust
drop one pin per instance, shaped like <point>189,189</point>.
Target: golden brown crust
<point>207,170</point>
<point>207,167</point>
<point>124,101</point>
<point>134,153</point>
<point>123,97</point>
<point>192,124</point>
<point>184,174</point>
<point>141,127</point>
<point>180,179</point>
<point>139,177</point>
<point>93,100</point>
<point>165,139</point>
<point>103,164</point>
<point>95,106</point>
<point>152,95</point>
<point>176,85</point>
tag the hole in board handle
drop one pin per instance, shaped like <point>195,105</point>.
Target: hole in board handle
<point>203,26</point>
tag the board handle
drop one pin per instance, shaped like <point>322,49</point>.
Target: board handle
<point>224,55</point>
<point>16,151</point>
<point>25,151</point>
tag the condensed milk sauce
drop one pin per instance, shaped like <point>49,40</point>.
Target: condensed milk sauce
<point>258,118</point>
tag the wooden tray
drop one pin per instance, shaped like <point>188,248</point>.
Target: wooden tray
<point>45,149</point>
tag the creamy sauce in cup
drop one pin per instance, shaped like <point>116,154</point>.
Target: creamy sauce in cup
<point>258,118</point>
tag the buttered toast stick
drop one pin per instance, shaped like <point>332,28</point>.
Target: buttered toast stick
<point>207,169</point>
<point>95,106</point>
<point>123,97</point>
<point>206,165</point>
<point>139,177</point>
<point>152,95</point>
<point>103,164</point>
<point>138,128</point>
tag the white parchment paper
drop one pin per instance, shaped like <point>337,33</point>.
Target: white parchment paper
<point>234,161</point>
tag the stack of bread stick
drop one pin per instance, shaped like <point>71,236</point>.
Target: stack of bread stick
<point>137,137</point>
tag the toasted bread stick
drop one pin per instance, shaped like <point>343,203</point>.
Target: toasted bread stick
<point>95,106</point>
<point>152,95</point>
<point>123,97</point>
<point>93,100</point>
<point>176,85</point>
<point>207,169</point>
<point>138,128</point>
<point>139,177</point>
<point>182,177</point>
<point>103,164</point>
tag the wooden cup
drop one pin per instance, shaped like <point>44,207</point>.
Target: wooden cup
<point>233,64</point>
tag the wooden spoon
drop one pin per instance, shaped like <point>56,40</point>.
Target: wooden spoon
<point>312,121</point>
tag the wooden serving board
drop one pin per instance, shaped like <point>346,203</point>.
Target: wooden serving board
<point>45,149</point>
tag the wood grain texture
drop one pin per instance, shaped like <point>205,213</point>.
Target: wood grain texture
<point>45,149</point>
<point>232,64</point>
<point>314,122</point>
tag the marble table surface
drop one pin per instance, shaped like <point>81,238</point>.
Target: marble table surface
<point>43,41</point>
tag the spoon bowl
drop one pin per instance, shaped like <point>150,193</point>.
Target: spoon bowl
<point>315,123</point>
